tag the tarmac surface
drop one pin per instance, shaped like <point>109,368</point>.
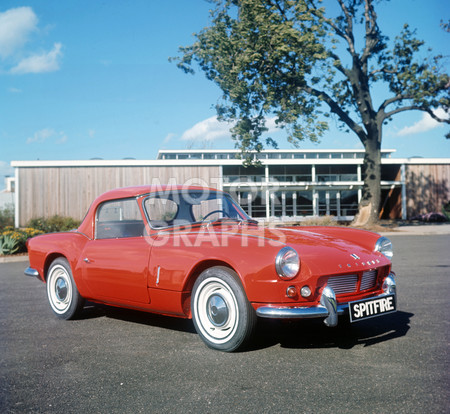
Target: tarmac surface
<point>121,361</point>
<point>419,229</point>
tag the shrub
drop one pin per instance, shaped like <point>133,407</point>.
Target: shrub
<point>14,240</point>
<point>8,245</point>
<point>431,218</point>
<point>320,221</point>
<point>53,224</point>
<point>6,216</point>
<point>446,210</point>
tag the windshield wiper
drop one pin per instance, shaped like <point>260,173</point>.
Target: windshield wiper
<point>248,221</point>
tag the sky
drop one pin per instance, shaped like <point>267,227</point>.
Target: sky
<point>84,79</point>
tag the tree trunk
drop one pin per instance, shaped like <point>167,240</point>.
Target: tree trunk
<point>371,175</point>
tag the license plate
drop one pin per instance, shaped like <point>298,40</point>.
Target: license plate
<point>370,308</point>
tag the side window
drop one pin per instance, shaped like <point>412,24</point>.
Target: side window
<point>161,211</point>
<point>118,219</point>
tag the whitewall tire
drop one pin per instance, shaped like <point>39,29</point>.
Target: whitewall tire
<point>222,314</point>
<point>62,292</point>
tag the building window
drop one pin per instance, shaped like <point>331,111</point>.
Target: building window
<point>330,173</point>
<point>290,173</point>
<point>240,174</point>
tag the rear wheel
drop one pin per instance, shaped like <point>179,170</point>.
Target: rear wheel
<point>62,292</point>
<point>222,314</point>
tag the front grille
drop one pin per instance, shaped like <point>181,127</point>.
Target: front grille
<point>346,284</point>
<point>343,284</point>
<point>368,279</point>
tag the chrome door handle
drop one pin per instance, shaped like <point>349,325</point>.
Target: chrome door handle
<point>86,260</point>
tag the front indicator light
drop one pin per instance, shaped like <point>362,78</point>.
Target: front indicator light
<point>305,291</point>
<point>291,292</point>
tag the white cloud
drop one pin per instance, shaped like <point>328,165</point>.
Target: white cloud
<point>14,90</point>
<point>16,25</point>
<point>212,129</point>
<point>17,28</point>
<point>62,138</point>
<point>41,136</point>
<point>208,130</point>
<point>271,125</point>
<point>91,133</point>
<point>169,137</point>
<point>425,124</point>
<point>45,62</point>
<point>46,134</point>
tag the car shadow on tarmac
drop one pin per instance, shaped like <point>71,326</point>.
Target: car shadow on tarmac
<point>297,334</point>
<point>314,334</point>
<point>92,311</point>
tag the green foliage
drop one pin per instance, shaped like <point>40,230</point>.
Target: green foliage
<point>8,245</point>
<point>53,224</point>
<point>261,60</point>
<point>293,59</point>
<point>282,58</point>
<point>446,210</point>
<point>14,240</point>
<point>6,216</point>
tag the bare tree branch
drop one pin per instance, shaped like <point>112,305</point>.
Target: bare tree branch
<point>418,108</point>
<point>394,99</point>
<point>370,17</point>
<point>338,31</point>
<point>336,108</point>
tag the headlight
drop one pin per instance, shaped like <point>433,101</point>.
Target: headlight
<point>287,263</point>
<point>384,246</point>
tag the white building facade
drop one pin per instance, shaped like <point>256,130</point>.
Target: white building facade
<point>285,185</point>
<point>296,184</point>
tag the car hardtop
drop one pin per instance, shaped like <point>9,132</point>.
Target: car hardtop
<point>87,226</point>
<point>141,190</point>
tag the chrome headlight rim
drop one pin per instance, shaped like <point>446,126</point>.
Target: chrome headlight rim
<point>384,246</point>
<point>287,263</point>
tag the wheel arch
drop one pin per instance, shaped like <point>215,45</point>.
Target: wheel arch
<point>193,275</point>
<point>49,260</point>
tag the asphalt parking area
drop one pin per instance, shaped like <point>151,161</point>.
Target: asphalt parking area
<point>121,361</point>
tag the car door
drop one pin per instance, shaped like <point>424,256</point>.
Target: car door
<point>115,263</point>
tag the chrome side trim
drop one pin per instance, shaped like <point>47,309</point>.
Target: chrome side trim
<point>29,271</point>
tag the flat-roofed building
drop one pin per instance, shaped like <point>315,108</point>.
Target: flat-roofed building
<point>285,185</point>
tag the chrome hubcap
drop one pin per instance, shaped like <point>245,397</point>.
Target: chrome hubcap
<point>61,289</point>
<point>217,310</point>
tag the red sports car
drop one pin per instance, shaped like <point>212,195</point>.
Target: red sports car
<point>192,252</point>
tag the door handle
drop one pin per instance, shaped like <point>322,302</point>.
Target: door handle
<point>86,260</point>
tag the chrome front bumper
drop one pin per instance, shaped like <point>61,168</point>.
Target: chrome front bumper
<point>29,271</point>
<point>328,307</point>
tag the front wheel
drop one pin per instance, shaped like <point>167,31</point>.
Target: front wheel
<point>62,292</point>
<point>222,314</point>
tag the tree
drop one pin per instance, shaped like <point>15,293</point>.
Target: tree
<point>303,63</point>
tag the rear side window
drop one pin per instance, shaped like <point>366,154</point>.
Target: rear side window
<point>119,219</point>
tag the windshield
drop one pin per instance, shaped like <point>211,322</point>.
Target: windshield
<point>185,207</point>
